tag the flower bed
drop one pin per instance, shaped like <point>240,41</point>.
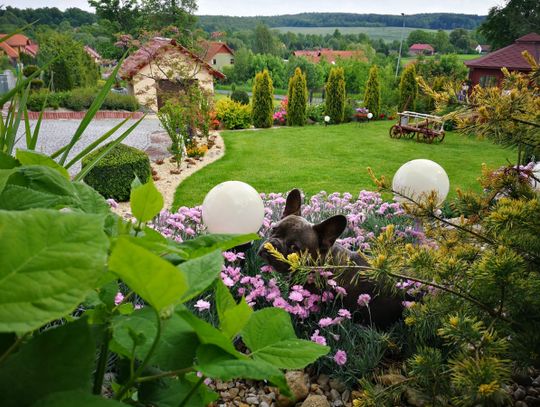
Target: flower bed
<point>317,316</point>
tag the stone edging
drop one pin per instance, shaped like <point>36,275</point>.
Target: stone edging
<point>101,114</point>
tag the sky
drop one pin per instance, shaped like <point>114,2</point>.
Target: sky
<point>276,7</point>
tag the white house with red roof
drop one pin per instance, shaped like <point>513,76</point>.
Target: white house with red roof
<point>217,54</point>
<point>162,67</point>
<point>421,49</point>
<point>18,44</point>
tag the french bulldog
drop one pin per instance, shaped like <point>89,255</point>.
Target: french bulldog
<point>294,234</point>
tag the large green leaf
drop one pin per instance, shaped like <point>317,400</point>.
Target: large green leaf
<point>208,243</point>
<point>56,360</point>
<point>270,336</point>
<point>169,392</point>
<point>154,279</point>
<point>133,334</point>
<point>53,260</point>
<point>233,317</point>
<point>201,272</point>
<point>210,335</point>
<point>7,162</point>
<point>76,398</point>
<point>214,362</point>
<point>146,201</point>
<point>29,157</point>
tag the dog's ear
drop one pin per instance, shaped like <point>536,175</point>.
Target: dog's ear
<point>293,206</point>
<point>329,230</point>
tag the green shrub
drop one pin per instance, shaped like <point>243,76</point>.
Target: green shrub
<point>296,109</point>
<point>113,174</point>
<point>372,97</point>
<point>35,101</point>
<point>80,99</point>
<point>335,95</point>
<point>263,100</point>
<point>29,70</point>
<point>240,96</point>
<point>232,114</point>
<point>408,89</point>
<point>315,113</point>
<point>36,84</point>
<point>116,101</point>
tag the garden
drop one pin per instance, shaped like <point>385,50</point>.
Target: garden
<point>401,288</point>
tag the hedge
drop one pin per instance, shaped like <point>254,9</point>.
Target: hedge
<point>113,174</point>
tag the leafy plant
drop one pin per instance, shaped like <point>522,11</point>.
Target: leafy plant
<point>172,118</point>
<point>335,95</point>
<point>408,88</point>
<point>372,97</point>
<point>233,115</point>
<point>297,99</point>
<point>263,100</point>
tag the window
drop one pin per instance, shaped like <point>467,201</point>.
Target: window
<point>214,61</point>
<point>488,81</point>
<point>232,61</point>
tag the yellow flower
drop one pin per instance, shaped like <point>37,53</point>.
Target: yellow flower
<point>488,389</point>
<point>410,321</point>
<point>454,321</point>
<point>293,259</point>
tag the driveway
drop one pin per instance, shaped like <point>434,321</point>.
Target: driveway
<point>55,134</point>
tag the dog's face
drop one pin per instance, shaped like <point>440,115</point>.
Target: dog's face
<point>294,234</point>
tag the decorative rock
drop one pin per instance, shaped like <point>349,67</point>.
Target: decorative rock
<point>297,382</point>
<point>314,387</point>
<point>316,401</point>
<point>334,395</point>
<point>337,385</point>
<point>252,400</point>
<point>519,394</point>
<point>414,397</point>
<point>520,404</point>
<point>233,392</point>
<point>337,403</point>
<point>536,382</point>
<point>345,396</point>
<point>391,379</point>
<point>532,392</point>
<point>264,404</point>
<point>221,386</point>
<point>322,380</point>
<point>244,404</point>
<point>522,379</point>
<point>532,401</point>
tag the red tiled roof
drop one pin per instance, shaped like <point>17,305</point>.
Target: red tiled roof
<point>211,48</point>
<point>10,52</point>
<point>421,47</point>
<point>328,54</point>
<point>510,57</point>
<point>153,49</point>
<point>17,40</point>
<point>32,49</point>
<point>92,52</point>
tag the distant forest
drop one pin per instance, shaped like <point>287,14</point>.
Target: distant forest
<point>12,17</point>
<point>435,21</point>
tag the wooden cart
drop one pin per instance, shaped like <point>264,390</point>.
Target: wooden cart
<point>426,127</point>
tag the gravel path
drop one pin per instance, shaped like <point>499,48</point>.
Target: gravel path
<point>55,134</point>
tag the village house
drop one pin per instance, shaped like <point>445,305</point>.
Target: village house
<point>421,49</point>
<point>96,57</point>
<point>217,54</point>
<point>329,55</point>
<point>486,71</point>
<point>161,68</point>
<point>483,49</point>
<point>16,45</point>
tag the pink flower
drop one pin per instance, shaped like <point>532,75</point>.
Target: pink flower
<point>344,313</point>
<point>363,300</point>
<point>118,298</point>
<point>340,291</point>
<point>321,340</point>
<point>408,304</point>
<point>112,203</point>
<point>340,357</point>
<point>324,322</point>
<point>202,305</point>
<point>296,296</point>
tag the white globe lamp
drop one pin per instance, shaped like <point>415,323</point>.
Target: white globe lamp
<point>233,207</point>
<point>370,115</point>
<point>417,178</point>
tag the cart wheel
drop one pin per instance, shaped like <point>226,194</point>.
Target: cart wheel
<point>439,137</point>
<point>396,131</point>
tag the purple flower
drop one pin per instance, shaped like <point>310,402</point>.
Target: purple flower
<point>340,357</point>
<point>324,322</point>
<point>363,300</point>
<point>112,203</point>
<point>408,304</point>
<point>119,297</point>
<point>296,296</point>
<point>202,305</point>
<point>321,340</point>
<point>344,313</point>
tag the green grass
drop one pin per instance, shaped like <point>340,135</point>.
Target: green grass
<point>386,33</point>
<point>334,158</point>
<point>460,57</point>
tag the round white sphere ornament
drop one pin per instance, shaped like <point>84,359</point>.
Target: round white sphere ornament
<point>233,207</point>
<point>370,115</point>
<point>417,178</point>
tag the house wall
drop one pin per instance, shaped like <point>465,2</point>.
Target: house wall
<point>143,84</point>
<point>476,76</point>
<point>222,59</point>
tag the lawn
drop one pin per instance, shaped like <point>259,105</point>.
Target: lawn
<point>334,158</point>
<point>460,57</point>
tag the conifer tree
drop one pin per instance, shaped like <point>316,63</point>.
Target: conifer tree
<point>372,97</point>
<point>296,109</point>
<point>335,95</point>
<point>408,89</point>
<point>262,102</point>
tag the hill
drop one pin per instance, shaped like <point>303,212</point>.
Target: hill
<point>434,21</point>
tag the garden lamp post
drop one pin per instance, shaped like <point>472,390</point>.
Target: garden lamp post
<point>417,178</point>
<point>233,207</point>
<point>326,120</point>
<point>400,45</point>
<point>370,116</point>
